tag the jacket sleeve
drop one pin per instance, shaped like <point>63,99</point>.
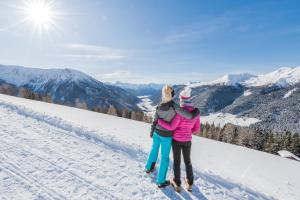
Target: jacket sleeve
<point>154,123</point>
<point>197,126</point>
<point>172,126</point>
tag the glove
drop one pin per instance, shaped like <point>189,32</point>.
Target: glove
<point>151,134</point>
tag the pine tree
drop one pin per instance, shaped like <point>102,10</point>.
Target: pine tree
<point>233,137</point>
<point>295,144</point>
<point>126,113</point>
<point>112,111</point>
<point>287,141</point>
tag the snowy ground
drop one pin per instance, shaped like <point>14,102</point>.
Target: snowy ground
<point>49,151</point>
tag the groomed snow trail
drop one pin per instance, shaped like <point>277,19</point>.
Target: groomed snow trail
<point>48,162</point>
<point>45,160</point>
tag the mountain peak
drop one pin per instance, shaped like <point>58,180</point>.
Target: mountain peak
<point>19,76</point>
<point>283,76</point>
<point>228,79</point>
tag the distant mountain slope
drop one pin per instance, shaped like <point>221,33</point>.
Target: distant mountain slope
<point>70,87</point>
<point>284,76</point>
<point>229,80</point>
<point>277,107</point>
<point>152,90</point>
<point>272,98</point>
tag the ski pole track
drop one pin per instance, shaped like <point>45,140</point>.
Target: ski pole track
<point>14,171</point>
<point>78,131</point>
<point>15,135</point>
<point>88,183</point>
<point>62,157</point>
<point>3,197</point>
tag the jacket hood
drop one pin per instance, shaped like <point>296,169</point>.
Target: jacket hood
<point>189,114</point>
<point>166,106</point>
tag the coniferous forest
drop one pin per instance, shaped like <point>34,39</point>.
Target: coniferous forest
<point>266,141</point>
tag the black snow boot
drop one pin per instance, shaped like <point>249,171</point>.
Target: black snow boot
<point>163,185</point>
<point>151,169</point>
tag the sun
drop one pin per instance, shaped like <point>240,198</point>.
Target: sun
<point>40,14</point>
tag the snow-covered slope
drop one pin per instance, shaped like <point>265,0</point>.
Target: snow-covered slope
<point>69,87</point>
<point>289,93</point>
<point>146,105</point>
<point>282,77</point>
<point>19,76</point>
<point>55,152</point>
<point>229,79</point>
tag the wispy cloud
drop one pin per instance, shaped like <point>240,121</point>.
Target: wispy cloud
<point>118,75</point>
<point>100,57</point>
<point>199,30</point>
<point>101,53</point>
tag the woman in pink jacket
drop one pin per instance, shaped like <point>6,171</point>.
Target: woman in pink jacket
<point>183,130</point>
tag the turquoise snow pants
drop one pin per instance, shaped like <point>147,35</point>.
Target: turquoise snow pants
<point>165,143</point>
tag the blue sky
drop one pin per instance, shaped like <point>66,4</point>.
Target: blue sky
<point>172,41</point>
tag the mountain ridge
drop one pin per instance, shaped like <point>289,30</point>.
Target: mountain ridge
<point>70,87</point>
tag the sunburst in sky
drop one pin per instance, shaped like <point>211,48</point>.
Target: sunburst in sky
<point>151,40</point>
<point>42,15</point>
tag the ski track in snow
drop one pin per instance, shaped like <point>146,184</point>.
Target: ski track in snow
<point>44,157</point>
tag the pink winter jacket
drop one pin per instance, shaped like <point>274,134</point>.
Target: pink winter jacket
<point>183,127</point>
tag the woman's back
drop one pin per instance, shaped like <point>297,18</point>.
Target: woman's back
<point>182,126</point>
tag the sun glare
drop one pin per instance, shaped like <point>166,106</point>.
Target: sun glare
<point>40,14</point>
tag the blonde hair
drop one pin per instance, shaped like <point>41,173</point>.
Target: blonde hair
<point>166,94</point>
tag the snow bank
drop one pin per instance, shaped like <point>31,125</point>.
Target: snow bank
<point>287,154</point>
<point>218,165</point>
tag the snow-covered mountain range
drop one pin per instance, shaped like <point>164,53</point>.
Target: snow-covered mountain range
<point>69,86</point>
<point>20,76</point>
<point>271,98</point>
<point>284,76</point>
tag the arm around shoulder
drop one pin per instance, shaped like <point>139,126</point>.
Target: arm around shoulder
<point>197,126</point>
<point>170,126</point>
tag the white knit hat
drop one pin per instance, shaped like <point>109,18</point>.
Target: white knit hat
<point>186,93</point>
